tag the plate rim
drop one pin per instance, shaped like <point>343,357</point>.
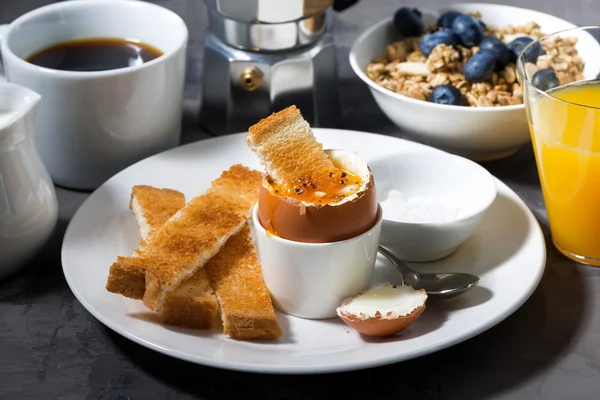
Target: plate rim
<point>303,370</point>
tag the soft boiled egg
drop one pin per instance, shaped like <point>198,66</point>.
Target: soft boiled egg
<point>339,206</point>
<point>383,310</point>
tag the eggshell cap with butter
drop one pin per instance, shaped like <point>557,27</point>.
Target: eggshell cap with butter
<point>299,221</point>
<point>383,310</point>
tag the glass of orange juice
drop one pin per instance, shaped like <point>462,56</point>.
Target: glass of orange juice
<point>559,75</point>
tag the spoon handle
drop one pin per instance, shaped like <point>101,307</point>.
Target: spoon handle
<point>404,270</point>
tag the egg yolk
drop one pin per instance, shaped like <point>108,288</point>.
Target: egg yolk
<point>330,189</point>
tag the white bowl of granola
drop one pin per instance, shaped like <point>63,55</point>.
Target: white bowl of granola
<point>493,123</point>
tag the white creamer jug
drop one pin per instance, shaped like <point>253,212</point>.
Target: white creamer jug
<point>28,206</point>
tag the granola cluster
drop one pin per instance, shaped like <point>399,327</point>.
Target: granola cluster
<point>405,70</point>
<point>562,57</point>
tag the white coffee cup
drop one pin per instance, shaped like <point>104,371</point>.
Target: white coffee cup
<point>310,280</point>
<point>91,125</point>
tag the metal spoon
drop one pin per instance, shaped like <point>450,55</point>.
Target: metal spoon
<point>436,285</point>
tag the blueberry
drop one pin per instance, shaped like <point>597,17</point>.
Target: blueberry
<point>481,24</point>
<point>517,46</point>
<point>545,79</point>
<point>432,39</point>
<point>480,67</point>
<point>532,53</point>
<point>447,18</point>
<point>469,30</point>
<point>498,49</point>
<point>447,94</point>
<point>408,22</point>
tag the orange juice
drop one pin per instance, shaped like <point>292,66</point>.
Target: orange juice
<point>565,130</point>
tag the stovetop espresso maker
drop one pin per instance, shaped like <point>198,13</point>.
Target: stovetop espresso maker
<point>264,55</point>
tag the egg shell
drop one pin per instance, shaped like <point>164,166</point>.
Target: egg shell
<point>379,326</point>
<point>294,220</point>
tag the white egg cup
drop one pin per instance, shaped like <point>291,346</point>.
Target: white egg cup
<point>310,280</point>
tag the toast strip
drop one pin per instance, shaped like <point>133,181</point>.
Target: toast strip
<point>287,148</point>
<point>152,207</point>
<point>236,276</point>
<point>193,303</point>
<point>235,273</point>
<point>194,234</point>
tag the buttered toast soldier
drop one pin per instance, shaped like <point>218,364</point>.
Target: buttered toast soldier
<point>309,194</point>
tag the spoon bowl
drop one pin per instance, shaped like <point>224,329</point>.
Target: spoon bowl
<point>438,285</point>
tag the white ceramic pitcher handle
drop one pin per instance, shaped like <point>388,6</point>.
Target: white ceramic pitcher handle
<point>3,29</point>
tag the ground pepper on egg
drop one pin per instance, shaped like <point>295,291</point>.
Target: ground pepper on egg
<point>322,191</point>
<point>463,62</point>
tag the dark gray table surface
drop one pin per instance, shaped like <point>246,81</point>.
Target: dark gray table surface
<point>52,348</point>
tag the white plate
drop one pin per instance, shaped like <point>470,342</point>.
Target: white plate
<point>507,251</point>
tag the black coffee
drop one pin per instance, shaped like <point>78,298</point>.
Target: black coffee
<point>94,54</point>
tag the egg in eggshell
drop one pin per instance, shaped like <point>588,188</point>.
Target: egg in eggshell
<point>345,207</point>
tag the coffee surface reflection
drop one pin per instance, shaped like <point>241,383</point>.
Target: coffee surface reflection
<point>95,54</point>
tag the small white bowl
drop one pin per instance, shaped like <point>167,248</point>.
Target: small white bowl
<point>451,180</point>
<point>479,133</point>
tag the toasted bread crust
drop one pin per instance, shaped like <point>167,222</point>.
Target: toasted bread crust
<point>236,276</point>
<point>287,148</point>
<point>261,132</point>
<point>235,272</point>
<point>155,205</point>
<point>192,304</point>
<point>152,207</point>
<point>197,232</point>
<point>127,279</point>
<point>194,234</point>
